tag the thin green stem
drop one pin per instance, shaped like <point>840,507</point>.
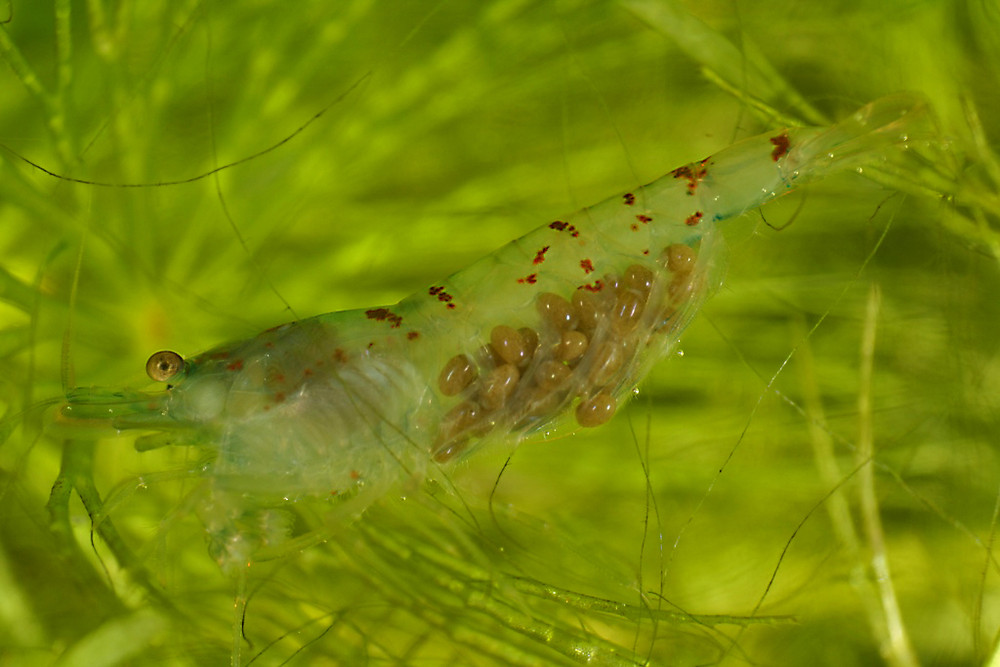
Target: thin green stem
<point>64,49</point>
<point>896,647</point>
<point>837,506</point>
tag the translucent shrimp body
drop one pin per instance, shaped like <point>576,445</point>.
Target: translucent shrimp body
<point>557,326</point>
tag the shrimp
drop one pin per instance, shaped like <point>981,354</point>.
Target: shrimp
<point>558,326</point>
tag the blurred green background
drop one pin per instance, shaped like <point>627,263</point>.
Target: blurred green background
<point>447,129</point>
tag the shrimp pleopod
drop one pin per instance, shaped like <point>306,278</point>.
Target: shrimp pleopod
<point>552,331</point>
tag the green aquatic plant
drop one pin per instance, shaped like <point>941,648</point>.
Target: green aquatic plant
<point>814,477</point>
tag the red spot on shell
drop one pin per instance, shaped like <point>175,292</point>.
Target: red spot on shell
<point>781,144</point>
<point>355,474</point>
<point>279,377</point>
<point>595,286</point>
<point>644,219</point>
<point>412,335</point>
<point>561,226</point>
<point>439,292</point>
<point>693,173</point>
<point>587,266</point>
<point>540,255</point>
<point>269,344</point>
<point>693,219</point>
<point>384,315</point>
<point>629,198</point>
<point>340,356</point>
<point>634,227</point>
<point>442,296</point>
<point>307,372</point>
<point>234,366</point>
<point>529,279</point>
<point>279,397</point>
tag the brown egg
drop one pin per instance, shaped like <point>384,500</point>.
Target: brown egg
<point>508,343</point>
<point>530,337</point>
<point>556,311</point>
<point>456,375</point>
<point>596,410</point>
<point>588,309</point>
<point>459,420</point>
<point>639,278</point>
<point>497,386</point>
<point>679,258</point>
<point>572,346</point>
<point>627,311</point>
<point>552,374</point>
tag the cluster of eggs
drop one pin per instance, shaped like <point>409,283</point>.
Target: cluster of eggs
<point>581,349</point>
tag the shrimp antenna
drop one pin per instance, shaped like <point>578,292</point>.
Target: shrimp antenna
<point>184,181</point>
<point>792,219</point>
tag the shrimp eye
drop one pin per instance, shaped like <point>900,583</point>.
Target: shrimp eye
<point>164,365</point>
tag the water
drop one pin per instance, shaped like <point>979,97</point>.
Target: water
<point>473,127</point>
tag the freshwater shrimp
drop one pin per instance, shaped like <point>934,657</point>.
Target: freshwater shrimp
<point>552,331</point>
